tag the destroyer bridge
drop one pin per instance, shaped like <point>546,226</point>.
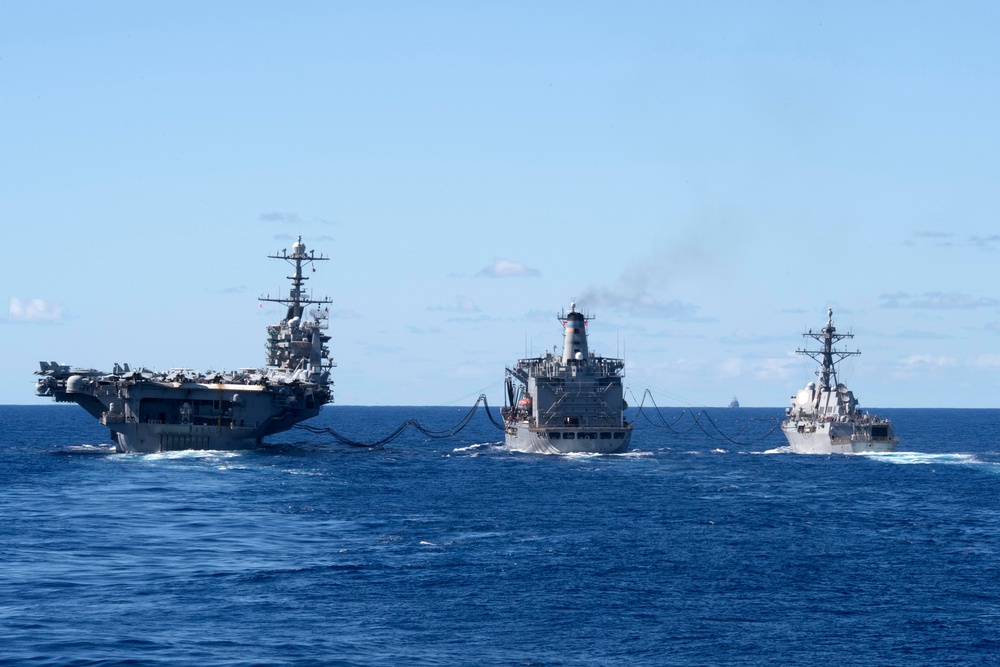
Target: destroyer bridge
<point>150,411</point>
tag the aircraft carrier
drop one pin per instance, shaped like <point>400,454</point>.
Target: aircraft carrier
<point>149,411</point>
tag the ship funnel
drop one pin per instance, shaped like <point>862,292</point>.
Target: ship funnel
<point>575,336</point>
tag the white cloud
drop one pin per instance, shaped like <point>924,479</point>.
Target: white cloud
<point>937,301</point>
<point>774,368</point>
<point>761,369</point>
<point>505,268</point>
<point>731,367</point>
<point>462,304</point>
<point>918,361</point>
<point>277,216</point>
<point>34,310</point>
<point>985,362</point>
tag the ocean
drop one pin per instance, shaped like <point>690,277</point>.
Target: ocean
<point>690,549</point>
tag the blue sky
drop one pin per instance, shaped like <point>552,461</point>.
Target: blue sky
<point>704,178</point>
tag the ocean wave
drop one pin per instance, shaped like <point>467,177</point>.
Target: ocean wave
<point>91,450</point>
<point>923,458</point>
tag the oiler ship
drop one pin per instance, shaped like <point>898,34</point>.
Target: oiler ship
<point>827,419</point>
<point>149,411</point>
<point>571,403</point>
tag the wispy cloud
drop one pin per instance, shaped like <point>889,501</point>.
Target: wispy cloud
<point>985,362</point>
<point>505,268</point>
<point>769,368</point>
<point>985,242</point>
<point>924,361</point>
<point>934,236</point>
<point>34,310</point>
<point>937,301</point>
<point>916,334</point>
<point>744,337</point>
<point>894,299</point>
<point>277,216</point>
<point>228,290</point>
<point>461,304</point>
<point>290,218</point>
<point>990,242</point>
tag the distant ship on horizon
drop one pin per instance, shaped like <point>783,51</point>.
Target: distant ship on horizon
<point>148,411</point>
<point>734,403</point>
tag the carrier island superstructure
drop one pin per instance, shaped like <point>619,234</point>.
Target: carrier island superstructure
<point>148,411</point>
<point>567,404</point>
<point>826,419</point>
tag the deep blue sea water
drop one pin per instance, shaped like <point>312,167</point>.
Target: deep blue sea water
<point>687,550</point>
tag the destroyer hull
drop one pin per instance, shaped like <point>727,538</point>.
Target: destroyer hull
<point>574,440</point>
<point>836,438</point>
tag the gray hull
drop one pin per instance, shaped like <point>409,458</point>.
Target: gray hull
<point>553,440</point>
<point>836,438</point>
<point>152,438</point>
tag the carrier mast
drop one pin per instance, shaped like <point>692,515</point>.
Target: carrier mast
<point>297,297</point>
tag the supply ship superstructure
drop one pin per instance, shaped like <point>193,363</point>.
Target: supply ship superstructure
<point>148,411</point>
<point>567,404</point>
<point>827,419</point>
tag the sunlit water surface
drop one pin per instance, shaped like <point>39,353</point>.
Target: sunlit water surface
<point>687,550</point>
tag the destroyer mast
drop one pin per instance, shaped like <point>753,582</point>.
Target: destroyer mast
<point>828,337</point>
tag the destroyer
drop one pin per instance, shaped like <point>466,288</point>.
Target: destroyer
<point>149,411</point>
<point>567,404</point>
<point>827,419</point>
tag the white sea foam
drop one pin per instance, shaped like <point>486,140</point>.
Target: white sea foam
<point>91,449</point>
<point>633,454</point>
<point>922,458</point>
<point>476,447</point>
<point>208,456</point>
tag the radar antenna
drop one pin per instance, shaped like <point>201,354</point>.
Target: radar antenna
<point>298,298</point>
<point>828,357</point>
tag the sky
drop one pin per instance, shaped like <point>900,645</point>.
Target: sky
<point>704,178</point>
